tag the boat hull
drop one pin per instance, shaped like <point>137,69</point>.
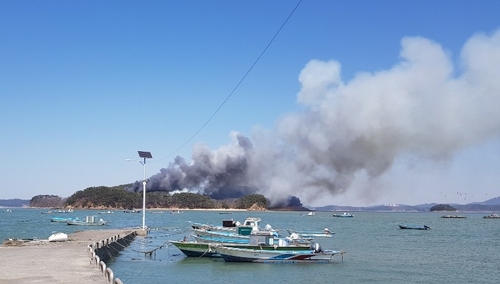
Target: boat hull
<point>273,256</point>
<point>62,220</point>
<point>89,221</point>
<point>200,249</point>
<point>312,234</point>
<point>414,227</point>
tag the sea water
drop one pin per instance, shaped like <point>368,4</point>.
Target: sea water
<point>377,251</point>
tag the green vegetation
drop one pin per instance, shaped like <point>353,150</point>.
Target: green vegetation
<point>117,197</point>
<point>443,207</point>
<point>251,200</point>
<point>104,197</point>
<point>46,201</point>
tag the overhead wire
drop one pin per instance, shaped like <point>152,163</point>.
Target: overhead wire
<point>236,87</point>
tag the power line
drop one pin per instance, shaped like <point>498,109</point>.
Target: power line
<point>237,85</point>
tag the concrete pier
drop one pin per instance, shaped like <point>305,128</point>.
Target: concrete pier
<point>73,261</point>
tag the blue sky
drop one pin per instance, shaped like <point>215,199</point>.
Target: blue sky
<point>86,84</point>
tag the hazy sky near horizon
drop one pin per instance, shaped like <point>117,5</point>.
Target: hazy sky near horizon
<point>353,103</point>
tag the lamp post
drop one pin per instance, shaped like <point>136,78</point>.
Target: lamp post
<point>144,155</point>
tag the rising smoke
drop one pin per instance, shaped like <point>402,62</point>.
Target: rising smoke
<point>423,107</point>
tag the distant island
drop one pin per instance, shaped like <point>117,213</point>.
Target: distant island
<point>442,207</point>
<point>118,197</point>
<point>14,202</point>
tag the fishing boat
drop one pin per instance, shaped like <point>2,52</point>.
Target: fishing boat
<point>313,255</point>
<point>63,219</point>
<point>64,211</point>
<point>411,227</point>
<point>89,221</point>
<point>343,215</point>
<point>453,217</point>
<point>325,233</point>
<point>132,211</point>
<point>492,216</point>
<point>258,240</point>
<point>230,232</point>
<point>221,239</point>
<point>230,225</point>
<point>242,233</point>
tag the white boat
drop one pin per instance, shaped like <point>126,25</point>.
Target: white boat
<point>106,212</point>
<point>453,217</point>
<point>132,211</point>
<point>492,216</point>
<point>58,237</point>
<point>313,255</point>
<point>230,225</point>
<point>343,215</point>
<point>176,212</point>
<point>325,233</point>
<point>231,233</point>
<point>89,221</point>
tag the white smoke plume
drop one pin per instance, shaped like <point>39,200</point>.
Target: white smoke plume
<point>425,106</point>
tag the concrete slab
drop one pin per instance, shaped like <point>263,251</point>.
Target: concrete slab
<point>54,262</point>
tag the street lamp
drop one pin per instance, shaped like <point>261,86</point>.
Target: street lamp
<point>145,155</point>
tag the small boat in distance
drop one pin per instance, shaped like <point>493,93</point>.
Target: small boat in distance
<point>326,233</point>
<point>453,216</point>
<point>106,212</point>
<point>176,212</point>
<point>345,214</point>
<point>411,227</point>
<point>63,219</point>
<point>492,216</point>
<point>132,211</point>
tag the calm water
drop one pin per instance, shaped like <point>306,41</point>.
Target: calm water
<point>454,251</point>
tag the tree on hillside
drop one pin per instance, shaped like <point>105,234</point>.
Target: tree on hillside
<point>249,200</point>
<point>106,197</point>
<point>46,201</point>
<point>443,207</point>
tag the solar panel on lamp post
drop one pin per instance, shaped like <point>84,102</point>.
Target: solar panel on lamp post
<point>145,155</point>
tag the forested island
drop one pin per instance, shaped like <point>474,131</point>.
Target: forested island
<point>117,197</point>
